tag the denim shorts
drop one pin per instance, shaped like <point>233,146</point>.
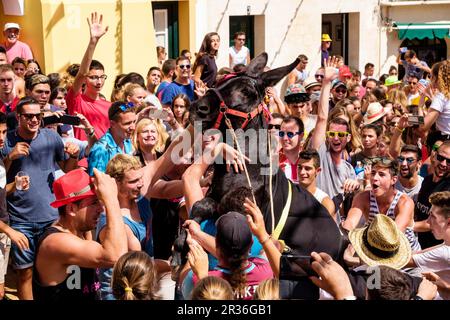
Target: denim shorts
<point>5,245</point>
<point>32,230</point>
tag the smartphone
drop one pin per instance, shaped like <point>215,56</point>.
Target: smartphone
<point>403,49</point>
<point>415,120</point>
<point>158,114</point>
<point>293,267</point>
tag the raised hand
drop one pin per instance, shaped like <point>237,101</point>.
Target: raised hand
<point>331,70</point>
<point>105,186</point>
<point>200,89</point>
<point>96,27</point>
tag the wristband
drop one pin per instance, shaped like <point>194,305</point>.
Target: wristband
<point>416,297</point>
<point>399,130</point>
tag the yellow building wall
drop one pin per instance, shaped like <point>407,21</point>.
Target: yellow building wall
<point>187,31</point>
<point>30,27</point>
<point>58,32</point>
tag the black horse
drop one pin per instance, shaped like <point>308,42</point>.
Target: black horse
<point>309,227</point>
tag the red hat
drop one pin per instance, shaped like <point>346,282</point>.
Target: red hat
<point>73,186</point>
<point>344,72</point>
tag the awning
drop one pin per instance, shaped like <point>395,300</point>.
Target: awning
<point>422,30</point>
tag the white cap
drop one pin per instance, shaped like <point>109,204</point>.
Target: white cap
<point>11,25</point>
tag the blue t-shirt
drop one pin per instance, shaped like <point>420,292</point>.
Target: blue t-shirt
<point>175,88</point>
<point>104,150</point>
<point>162,86</point>
<point>141,230</point>
<point>209,226</point>
<point>412,70</point>
<point>33,205</point>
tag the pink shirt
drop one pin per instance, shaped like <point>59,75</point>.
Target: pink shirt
<point>19,49</point>
<point>96,111</point>
<point>256,271</point>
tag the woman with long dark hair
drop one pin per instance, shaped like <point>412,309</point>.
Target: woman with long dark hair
<point>205,68</point>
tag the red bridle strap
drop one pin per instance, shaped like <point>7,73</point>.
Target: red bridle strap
<point>224,110</point>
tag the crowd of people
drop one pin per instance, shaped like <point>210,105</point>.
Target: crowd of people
<point>89,189</point>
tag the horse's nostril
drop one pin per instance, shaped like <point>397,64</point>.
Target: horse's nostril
<point>203,109</point>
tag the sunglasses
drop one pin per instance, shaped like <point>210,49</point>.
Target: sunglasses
<point>30,116</point>
<point>412,83</point>
<point>185,66</point>
<point>441,158</point>
<point>125,107</point>
<point>95,78</point>
<point>408,160</point>
<point>319,75</point>
<point>383,160</point>
<point>341,90</point>
<point>334,134</point>
<point>274,126</point>
<point>289,134</point>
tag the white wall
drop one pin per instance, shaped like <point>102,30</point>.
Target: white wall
<point>287,28</point>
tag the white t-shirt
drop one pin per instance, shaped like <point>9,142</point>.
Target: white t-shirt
<point>437,260</point>
<point>442,105</point>
<point>238,57</point>
<point>2,175</point>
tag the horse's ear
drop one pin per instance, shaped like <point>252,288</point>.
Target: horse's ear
<point>271,77</point>
<point>256,66</point>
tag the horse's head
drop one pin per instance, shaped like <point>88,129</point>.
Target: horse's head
<point>242,94</point>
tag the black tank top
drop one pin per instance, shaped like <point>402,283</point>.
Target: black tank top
<point>69,289</point>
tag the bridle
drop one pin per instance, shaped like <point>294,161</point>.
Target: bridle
<point>225,110</point>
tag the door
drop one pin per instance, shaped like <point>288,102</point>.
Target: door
<point>244,24</point>
<point>165,19</point>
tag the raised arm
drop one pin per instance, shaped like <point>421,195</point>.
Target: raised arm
<point>405,213</point>
<point>97,30</point>
<point>318,137</point>
<point>72,250</point>
<point>356,211</point>
<point>396,141</point>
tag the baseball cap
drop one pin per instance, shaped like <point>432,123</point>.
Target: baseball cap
<point>11,25</point>
<point>233,233</point>
<point>337,83</point>
<point>296,93</point>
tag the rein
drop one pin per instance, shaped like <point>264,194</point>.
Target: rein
<point>223,112</point>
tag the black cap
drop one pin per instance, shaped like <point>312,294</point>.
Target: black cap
<point>233,233</point>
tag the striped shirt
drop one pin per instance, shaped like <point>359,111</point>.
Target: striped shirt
<point>409,232</point>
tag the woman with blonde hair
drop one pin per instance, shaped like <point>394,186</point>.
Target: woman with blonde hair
<point>134,277</point>
<point>398,99</point>
<point>212,288</point>
<point>269,289</point>
<point>355,145</point>
<point>149,140</point>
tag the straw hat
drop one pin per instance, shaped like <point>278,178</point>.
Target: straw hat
<point>381,243</point>
<point>375,111</point>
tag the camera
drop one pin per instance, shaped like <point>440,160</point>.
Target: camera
<point>415,120</point>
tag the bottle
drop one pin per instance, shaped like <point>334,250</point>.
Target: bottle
<point>359,170</point>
